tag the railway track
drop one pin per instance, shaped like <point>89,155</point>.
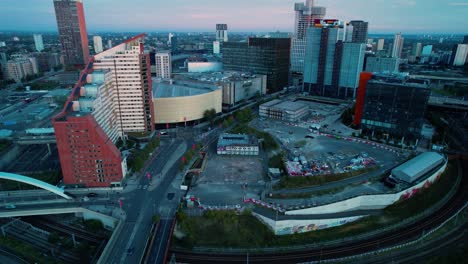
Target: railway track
<point>64,229</point>
<point>349,249</point>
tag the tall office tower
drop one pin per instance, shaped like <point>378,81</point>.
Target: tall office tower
<point>427,50</point>
<point>72,31</point>
<point>382,64</point>
<point>417,49</point>
<point>221,32</point>
<point>349,29</point>
<point>216,47</point>
<point>397,46</point>
<point>465,39</point>
<point>380,44</point>
<point>111,97</point>
<point>305,16</point>
<point>169,39</point>
<point>109,43</point>
<point>370,41</point>
<point>392,104</point>
<point>360,29</point>
<point>459,55</point>
<point>38,42</point>
<point>97,41</point>
<point>331,66</point>
<point>268,56</point>
<point>174,44</point>
<point>163,64</point>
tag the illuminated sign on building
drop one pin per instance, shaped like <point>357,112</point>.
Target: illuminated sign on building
<point>328,23</point>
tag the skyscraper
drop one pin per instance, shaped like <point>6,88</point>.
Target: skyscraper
<point>332,66</point>
<point>397,46</point>
<point>216,47</point>
<point>360,29</point>
<point>380,44</point>
<point>417,49</point>
<point>72,31</point>
<point>459,55</point>
<point>465,39</point>
<point>109,43</point>
<point>110,99</point>
<point>38,42</point>
<point>221,32</point>
<point>305,16</point>
<point>269,56</point>
<point>427,50</point>
<point>97,41</point>
<point>163,65</point>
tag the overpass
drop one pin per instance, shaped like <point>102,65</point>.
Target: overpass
<point>441,78</point>
<point>180,57</point>
<point>448,102</point>
<point>33,140</point>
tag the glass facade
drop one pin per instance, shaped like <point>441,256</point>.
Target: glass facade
<point>268,56</point>
<point>395,108</point>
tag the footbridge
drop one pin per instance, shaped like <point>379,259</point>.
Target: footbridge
<point>35,182</point>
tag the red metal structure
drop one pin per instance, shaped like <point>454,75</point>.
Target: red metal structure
<point>361,97</point>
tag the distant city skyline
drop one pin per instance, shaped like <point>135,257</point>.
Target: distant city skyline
<point>384,16</point>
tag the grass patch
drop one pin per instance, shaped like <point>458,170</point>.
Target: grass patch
<point>139,158</point>
<point>25,251</point>
<point>269,142</point>
<point>308,181</point>
<point>4,144</point>
<point>300,144</point>
<point>277,161</point>
<point>221,229</point>
<point>138,134</point>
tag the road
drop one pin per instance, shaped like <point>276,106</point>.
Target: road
<point>147,200</point>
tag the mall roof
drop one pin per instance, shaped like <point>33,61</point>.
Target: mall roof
<point>166,89</point>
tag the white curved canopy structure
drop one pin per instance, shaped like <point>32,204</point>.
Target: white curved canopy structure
<point>34,182</point>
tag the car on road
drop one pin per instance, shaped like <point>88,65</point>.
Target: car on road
<point>92,195</point>
<point>130,251</point>
<point>309,136</point>
<point>10,206</point>
<point>170,196</point>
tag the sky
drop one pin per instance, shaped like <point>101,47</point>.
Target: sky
<point>384,16</point>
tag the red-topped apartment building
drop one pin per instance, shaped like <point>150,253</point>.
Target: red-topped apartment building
<point>111,98</point>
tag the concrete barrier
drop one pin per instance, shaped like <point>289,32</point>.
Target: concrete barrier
<point>105,253</point>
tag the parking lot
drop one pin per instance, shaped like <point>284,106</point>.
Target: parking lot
<point>228,179</point>
<point>323,153</point>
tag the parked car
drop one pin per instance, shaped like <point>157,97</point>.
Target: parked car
<point>92,195</point>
